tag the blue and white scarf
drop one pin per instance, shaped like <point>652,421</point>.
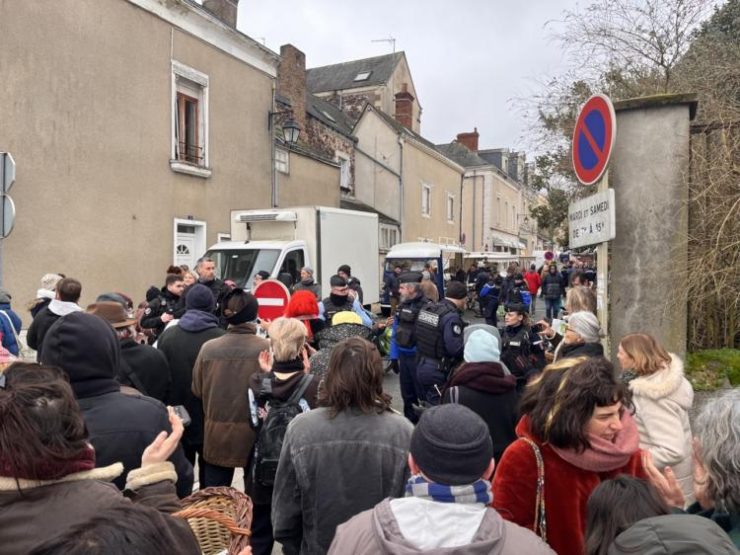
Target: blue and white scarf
<point>477,492</point>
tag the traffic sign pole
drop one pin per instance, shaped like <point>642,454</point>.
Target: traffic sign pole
<point>602,277</point>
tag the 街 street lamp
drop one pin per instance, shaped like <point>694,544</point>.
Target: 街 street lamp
<point>291,131</point>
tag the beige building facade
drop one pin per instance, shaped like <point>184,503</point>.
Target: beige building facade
<point>136,125</point>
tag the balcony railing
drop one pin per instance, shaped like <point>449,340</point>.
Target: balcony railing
<point>189,153</point>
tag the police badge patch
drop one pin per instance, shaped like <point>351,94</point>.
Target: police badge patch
<point>457,329</point>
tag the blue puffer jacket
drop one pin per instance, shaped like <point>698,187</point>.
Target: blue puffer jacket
<point>9,341</point>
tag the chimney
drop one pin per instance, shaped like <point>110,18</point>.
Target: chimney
<point>470,140</point>
<point>225,10</point>
<point>405,107</point>
<point>291,81</point>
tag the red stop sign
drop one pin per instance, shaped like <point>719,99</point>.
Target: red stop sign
<point>272,297</point>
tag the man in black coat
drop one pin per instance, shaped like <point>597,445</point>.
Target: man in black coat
<point>121,425</point>
<point>180,345</point>
<point>206,270</point>
<point>167,306</point>
<point>68,292</point>
<point>142,367</point>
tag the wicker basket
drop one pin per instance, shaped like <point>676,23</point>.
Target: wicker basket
<point>220,518</point>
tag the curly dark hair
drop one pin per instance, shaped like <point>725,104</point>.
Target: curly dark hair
<point>561,402</point>
<point>354,378</point>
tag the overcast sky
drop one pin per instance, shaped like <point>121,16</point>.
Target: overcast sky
<point>470,59</point>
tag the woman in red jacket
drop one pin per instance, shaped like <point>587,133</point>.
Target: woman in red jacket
<point>575,432</point>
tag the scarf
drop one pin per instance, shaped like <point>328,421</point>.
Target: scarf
<point>603,455</point>
<point>197,320</point>
<point>487,377</point>
<point>477,492</point>
<point>288,366</point>
<point>51,469</point>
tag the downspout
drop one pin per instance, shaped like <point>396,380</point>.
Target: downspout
<point>400,186</point>
<point>273,174</point>
<point>460,232</point>
<point>475,198</point>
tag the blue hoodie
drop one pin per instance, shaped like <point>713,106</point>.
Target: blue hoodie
<point>9,341</point>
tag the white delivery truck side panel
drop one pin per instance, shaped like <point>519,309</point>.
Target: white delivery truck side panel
<point>349,237</point>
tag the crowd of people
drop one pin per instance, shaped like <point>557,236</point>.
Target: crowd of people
<point>518,439</point>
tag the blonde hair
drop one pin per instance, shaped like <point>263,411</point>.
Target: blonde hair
<point>287,336</point>
<point>580,299</point>
<point>648,354</point>
<point>562,364</point>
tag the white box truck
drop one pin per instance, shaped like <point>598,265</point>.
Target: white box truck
<point>282,240</point>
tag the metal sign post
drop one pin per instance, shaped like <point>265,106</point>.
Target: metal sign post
<point>7,207</point>
<point>591,220</point>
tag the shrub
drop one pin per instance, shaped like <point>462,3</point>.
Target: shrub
<point>711,369</point>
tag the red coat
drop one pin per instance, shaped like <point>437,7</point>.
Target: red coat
<point>567,489</point>
<point>534,281</point>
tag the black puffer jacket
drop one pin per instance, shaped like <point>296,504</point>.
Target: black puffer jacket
<point>121,426</point>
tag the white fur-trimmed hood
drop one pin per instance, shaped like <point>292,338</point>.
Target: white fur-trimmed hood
<point>105,474</point>
<point>668,382</point>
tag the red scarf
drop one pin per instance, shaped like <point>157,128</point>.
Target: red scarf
<point>51,469</point>
<point>604,455</point>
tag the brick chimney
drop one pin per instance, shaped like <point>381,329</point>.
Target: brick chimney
<point>225,10</point>
<point>405,107</point>
<point>291,81</point>
<point>470,140</point>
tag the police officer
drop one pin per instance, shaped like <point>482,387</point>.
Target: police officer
<point>341,298</point>
<point>522,349</point>
<point>206,270</point>
<point>403,340</point>
<point>166,306</point>
<point>439,341</point>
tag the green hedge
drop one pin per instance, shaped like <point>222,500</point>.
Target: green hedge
<point>711,369</point>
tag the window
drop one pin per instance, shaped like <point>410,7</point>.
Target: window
<point>498,210</point>
<point>388,236</point>
<point>426,200</point>
<point>450,208</point>
<point>345,176</point>
<point>363,76</point>
<point>505,221</point>
<point>282,160</point>
<point>513,217</point>
<point>189,120</point>
<point>292,264</point>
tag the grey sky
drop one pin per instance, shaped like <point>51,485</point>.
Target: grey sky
<point>468,58</point>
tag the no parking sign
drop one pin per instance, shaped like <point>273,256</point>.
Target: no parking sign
<point>593,138</point>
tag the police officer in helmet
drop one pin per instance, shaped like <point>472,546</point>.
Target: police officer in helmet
<point>439,341</point>
<point>522,349</point>
<point>403,340</point>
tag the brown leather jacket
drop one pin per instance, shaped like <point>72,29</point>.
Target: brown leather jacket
<point>221,379</point>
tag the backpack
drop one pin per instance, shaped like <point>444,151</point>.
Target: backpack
<point>270,437</point>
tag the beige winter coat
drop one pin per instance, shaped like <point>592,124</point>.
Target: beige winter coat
<point>662,403</point>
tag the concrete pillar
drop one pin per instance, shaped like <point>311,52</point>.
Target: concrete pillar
<point>649,172</point>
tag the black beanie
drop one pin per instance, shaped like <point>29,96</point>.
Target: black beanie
<point>199,297</point>
<point>87,349</point>
<point>248,313</point>
<point>451,445</point>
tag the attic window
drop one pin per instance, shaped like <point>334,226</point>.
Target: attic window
<point>363,76</point>
<point>328,116</point>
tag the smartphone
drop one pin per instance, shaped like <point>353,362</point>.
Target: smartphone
<point>182,412</point>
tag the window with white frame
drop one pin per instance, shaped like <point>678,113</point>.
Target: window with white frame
<point>426,200</point>
<point>450,208</point>
<point>190,115</point>
<point>282,160</point>
<point>345,175</point>
<point>388,236</point>
<point>505,222</point>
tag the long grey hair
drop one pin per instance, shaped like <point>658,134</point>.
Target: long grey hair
<point>718,431</point>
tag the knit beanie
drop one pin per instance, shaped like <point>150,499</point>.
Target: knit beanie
<point>481,346</point>
<point>87,349</point>
<point>586,325</point>
<point>451,445</point>
<point>346,317</point>
<point>49,281</point>
<point>199,297</point>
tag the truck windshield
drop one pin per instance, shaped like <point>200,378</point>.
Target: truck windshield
<point>409,264</point>
<point>241,265</point>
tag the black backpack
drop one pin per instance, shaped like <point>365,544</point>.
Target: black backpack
<point>270,437</point>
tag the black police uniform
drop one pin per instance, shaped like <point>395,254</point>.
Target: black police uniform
<point>164,303</point>
<point>523,353</point>
<point>439,347</point>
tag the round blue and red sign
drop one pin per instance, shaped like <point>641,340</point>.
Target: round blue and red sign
<point>593,138</point>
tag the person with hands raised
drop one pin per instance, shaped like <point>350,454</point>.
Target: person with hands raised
<point>49,482</point>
